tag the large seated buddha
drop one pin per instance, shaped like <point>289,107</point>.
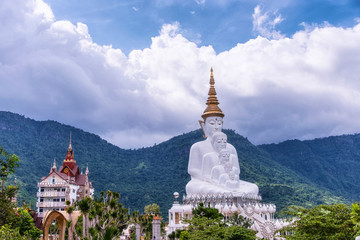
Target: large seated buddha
<point>213,163</point>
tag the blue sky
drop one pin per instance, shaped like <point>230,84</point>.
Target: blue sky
<point>129,25</point>
<point>136,72</point>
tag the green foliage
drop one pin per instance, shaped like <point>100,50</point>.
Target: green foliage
<point>152,209</point>
<point>7,213</point>
<point>25,224</point>
<point>207,212</point>
<point>141,181</point>
<point>14,223</point>
<point>6,232</point>
<point>207,223</point>
<point>322,222</point>
<point>8,164</point>
<point>329,163</point>
<point>355,217</point>
<point>109,216</point>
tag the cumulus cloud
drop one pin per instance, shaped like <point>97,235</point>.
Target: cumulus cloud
<point>302,87</point>
<point>264,24</point>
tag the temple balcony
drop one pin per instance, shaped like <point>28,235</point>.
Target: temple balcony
<point>51,194</point>
<point>51,204</point>
<point>46,184</point>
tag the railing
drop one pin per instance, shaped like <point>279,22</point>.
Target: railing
<point>51,194</point>
<point>46,184</point>
<point>51,204</point>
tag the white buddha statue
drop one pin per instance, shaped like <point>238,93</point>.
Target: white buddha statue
<point>218,170</point>
<point>204,152</point>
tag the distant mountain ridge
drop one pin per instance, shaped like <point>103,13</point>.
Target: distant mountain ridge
<point>152,174</point>
<point>331,162</point>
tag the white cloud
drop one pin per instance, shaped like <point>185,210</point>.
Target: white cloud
<point>270,90</point>
<point>200,2</point>
<point>264,24</point>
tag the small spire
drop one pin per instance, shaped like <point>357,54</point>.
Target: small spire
<point>87,170</point>
<point>212,102</point>
<point>54,164</point>
<point>70,141</point>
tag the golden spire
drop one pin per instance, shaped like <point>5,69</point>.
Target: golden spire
<point>70,153</point>
<point>212,102</point>
<point>70,141</point>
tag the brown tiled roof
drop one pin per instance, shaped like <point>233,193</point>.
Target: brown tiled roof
<point>79,179</point>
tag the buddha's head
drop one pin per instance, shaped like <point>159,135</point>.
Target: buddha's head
<point>232,175</point>
<point>224,156</point>
<point>212,116</point>
<point>212,125</point>
<point>219,141</point>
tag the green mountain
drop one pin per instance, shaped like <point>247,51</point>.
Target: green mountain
<point>332,162</point>
<point>147,175</point>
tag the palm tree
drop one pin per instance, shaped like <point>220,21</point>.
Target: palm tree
<point>84,207</point>
<point>71,226</point>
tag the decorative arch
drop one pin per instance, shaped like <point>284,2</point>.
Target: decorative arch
<point>61,217</point>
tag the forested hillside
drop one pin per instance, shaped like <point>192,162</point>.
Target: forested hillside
<point>332,162</point>
<point>146,175</point>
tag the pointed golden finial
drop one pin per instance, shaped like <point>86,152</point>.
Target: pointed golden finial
<point>212,102</point>
<point>70,141</point>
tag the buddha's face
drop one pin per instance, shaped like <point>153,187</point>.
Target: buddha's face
<point>232,175</point>
<point>219,142</point>
<point>224,157</point>
<point>212,125</point>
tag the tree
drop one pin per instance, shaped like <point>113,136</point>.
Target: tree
<point>8,164</point>
<point>84,206</point>
<point>7,213</point>
<point>322,222</point>
<point>208,223</point>
<point>15,223</point>
<point>355,217</point>
<point>109,216</point>
<point>70,224</point>
<point>25,223</point>
<point>6,232</point>
<point>152,209</point>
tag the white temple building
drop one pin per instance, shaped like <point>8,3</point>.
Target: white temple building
<point>215,179</point>
<point>61,185</point>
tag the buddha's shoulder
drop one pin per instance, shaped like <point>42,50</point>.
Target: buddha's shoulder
<point>199,145</point>
<point>230,146</point>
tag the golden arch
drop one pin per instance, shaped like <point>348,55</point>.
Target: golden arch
<point>61,217</point>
